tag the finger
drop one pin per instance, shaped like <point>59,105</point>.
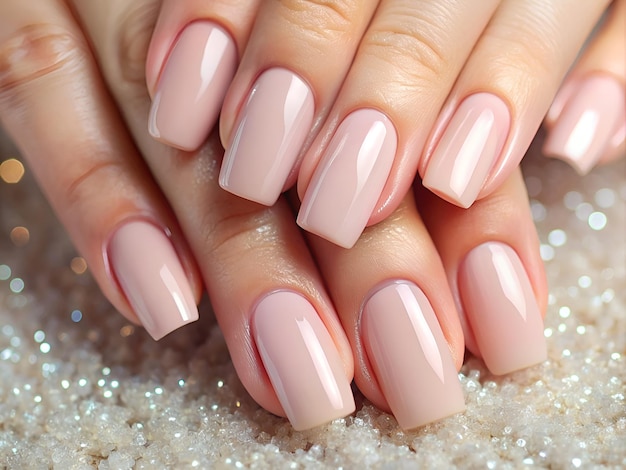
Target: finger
<point>491,256</point>
<point>298,54</point>
<point>502,94</point>
<point>192,59</point>
<point>365,157</point>
<point>89,168</point>
<point>281,329</point>
<point>392,295</point>
<point>587,120</point>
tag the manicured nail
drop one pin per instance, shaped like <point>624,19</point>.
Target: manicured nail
<point>349,178</point>
<point>301,360</point>
<point>192,86</point>
<point>268,137</point>
<point>500,306</point>
<point>410,356</point>
<point>149,272</point>
<point>590,119</point>
<point>468,149</point>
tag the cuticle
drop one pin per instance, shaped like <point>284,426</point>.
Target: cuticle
<point>377,288</point>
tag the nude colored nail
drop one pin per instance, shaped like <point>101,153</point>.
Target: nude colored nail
<point>410,356</point>
<point>586,126</point>
<point>349,178</point>
<point>301,360</point>
<point>268,137</point>
<point>192,86</point>
<point>500,306</point>
<point>468,149</point>
<point>149,272</point>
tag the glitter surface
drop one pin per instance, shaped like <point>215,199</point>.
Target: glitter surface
<point>80,388</point>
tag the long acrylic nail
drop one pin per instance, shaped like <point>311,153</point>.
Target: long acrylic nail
<point>410,356</point>
<point>468,149</point>
<point>192,86</point>
<point>349,178</point>
<point>500,306</point>
<point>593,115</point>
<point>301,360</point>
<point>149,272</point>
<point>268,137</point>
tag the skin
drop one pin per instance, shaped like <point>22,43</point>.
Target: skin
<point>99,167</point>
<point>403,60</point>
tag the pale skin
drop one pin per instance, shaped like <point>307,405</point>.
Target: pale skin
<point>99,167</point>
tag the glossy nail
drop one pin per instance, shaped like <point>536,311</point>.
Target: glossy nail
<point>410,356</point>
<point>149,272</point>
<point>192,86</point>
<point>268,137</point>
<point>349,178</point>
<point>301,360</point>
<point>588,122</point>
<point>468,149</point>
<point>500,306</point>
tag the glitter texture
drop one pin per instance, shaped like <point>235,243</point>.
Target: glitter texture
<point>81,388</point>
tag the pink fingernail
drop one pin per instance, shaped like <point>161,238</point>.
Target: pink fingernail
<point>268,138</point>
<point>468,149</point>
<point>349,178</point>
<point>410,356</point>
<point>301,360</point>
<point>586,126</point>
<point>192,87</point>
<point>149,272</point>
<point>501,308</point>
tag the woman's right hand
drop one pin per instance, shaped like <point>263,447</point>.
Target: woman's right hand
<point>154,227</point>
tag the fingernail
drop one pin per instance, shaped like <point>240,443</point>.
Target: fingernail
<point>468,149</point>
<point>501,308</point>
<point>149,272</point>
<point>410,356</point>
<point>590,119</point>
<point>192,86</point>
<point>349,178</point>
<point>301,360</point>
<point>268,137</point>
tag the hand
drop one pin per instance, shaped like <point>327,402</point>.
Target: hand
<point>143,214</point>
<point>455,90</point>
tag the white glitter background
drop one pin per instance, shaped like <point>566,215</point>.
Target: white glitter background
<point>80,388</point>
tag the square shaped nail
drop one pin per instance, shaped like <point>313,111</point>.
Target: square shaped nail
<point>349,178</point>
<point>301,360</point>
<point>410,356</point>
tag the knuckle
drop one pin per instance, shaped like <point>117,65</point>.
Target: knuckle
<point>524,62</point>
<point>134,34</point>
<point>500,212</point>
<point>241,230</point>
<point>85,182</point>
<point>36,51</point>
<point>393,235</point>
<point>410,47</point>
<point>321,19</point>
<point>533,47</point>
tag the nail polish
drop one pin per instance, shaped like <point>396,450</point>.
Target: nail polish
<point>268,137</point>
<point>301,360</point>
<point>192,86</point>
<point>410,356</point>
<point>594,113</point>
<point>350,178</point>
<point>468,149</point>
<point>152,277</point>
<point>500,306</point>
